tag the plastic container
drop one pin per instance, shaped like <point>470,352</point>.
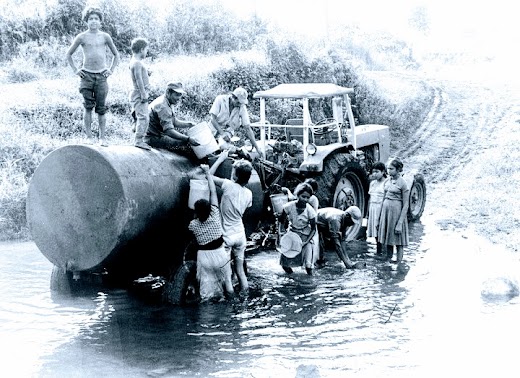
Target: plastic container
<point>198,190</point>
<point>201,132</point>
<point>278,200</point>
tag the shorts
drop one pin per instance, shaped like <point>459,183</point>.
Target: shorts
<point>236,245</point>
<point>94,88</point>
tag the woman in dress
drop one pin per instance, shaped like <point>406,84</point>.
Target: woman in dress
<point>298,216</point>
<point>393,222</point>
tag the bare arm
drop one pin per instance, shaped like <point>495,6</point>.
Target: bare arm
<point>72,49</point>
<point>115,53</point>
<point>179,123</point>
<point>137,72</point>
<point>172,133</point>
<point>312,222</point>
<point>223,156</point>
<point>404,210</point>
<point>217,126</point>
<point>251,137</point>
<point>213,198</point>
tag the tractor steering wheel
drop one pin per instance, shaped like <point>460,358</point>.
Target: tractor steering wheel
<point>326,129</point>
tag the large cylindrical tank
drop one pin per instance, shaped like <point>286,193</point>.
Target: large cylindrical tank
<point>119,206</point>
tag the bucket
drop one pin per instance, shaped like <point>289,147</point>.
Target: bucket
<point>201,132</point>
<point>198,190</point>
<point>278,200</point>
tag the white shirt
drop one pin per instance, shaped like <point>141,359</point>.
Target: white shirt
<point>234,202</point>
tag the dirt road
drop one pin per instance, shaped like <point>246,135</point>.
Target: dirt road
<point>467,149</point>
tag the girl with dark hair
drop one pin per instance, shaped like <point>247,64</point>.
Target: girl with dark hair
<point>393,222</point>
<point>213,263</point>
<point>376,193</point>
<point>299,217</point>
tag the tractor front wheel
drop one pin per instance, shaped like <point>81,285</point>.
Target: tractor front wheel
<point>343,183</point>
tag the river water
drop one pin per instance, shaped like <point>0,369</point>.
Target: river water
<point>452,308</point>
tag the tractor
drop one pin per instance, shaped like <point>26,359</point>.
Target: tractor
<point>119,214</point>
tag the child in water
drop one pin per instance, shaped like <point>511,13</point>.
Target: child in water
<point>213,264</point>
<point>376,193</point>
<point>393,222</point>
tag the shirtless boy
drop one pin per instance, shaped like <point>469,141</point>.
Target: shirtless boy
<point>94,72</point>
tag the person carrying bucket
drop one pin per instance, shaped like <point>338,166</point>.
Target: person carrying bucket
<point>162,126</point>
<point>228,113</point>
<point>213,264</point>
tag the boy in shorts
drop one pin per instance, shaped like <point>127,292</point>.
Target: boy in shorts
<point>236,198</point>
<point>93,71</point>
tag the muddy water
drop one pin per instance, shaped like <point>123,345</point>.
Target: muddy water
<point>449,309</point>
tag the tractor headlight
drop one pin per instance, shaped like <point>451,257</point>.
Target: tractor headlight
<point>311,149</point>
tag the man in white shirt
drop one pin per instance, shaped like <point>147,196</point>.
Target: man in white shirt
<point>228,113</point>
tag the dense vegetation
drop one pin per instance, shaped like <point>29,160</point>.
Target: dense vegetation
<point>200,43</point>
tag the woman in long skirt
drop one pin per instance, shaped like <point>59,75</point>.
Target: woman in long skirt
<point>393,222</point>
<point>213,263</point>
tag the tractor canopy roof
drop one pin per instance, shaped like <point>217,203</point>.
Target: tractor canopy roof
<point>304,90</point>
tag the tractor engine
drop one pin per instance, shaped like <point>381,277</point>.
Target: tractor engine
<point>286,154</point>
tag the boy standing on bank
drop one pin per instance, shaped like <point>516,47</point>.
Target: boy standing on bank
<point>93,71</point>
<point>139,94</point>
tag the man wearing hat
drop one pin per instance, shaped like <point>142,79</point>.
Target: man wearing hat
<point>332,224</point>
<point>161,132</point>
<point>228,113</point>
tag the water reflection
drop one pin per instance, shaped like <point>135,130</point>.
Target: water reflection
<point>384,320</point>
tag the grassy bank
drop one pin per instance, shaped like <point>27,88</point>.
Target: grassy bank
<point>41,115</point>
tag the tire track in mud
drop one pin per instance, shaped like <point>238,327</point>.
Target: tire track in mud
<point>427,128</point>
<point>454,128</point>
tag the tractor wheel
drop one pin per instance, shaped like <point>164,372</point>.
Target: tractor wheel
<point>417,198</point>
<point>183,288</point>
<point>343,183</point>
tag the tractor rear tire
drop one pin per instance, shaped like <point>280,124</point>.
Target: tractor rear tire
<point>417,199</point>
<point>343,183</point>
<point>183,288</point>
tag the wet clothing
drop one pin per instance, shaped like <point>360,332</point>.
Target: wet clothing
<point>234,202</point>
<point>213,265</point>
<point>94,88</point>
<point>301,225</point>
<point>213,271</point>
<point>395,192</point>
<point>316,253</point>
<point>376,193</point>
